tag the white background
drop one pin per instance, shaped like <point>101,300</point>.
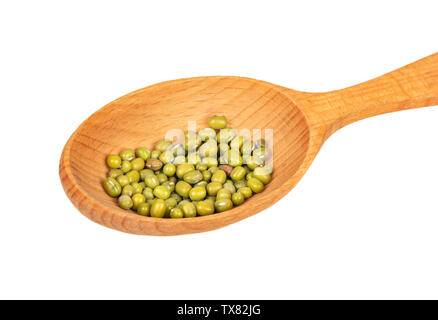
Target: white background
<point>363,221</point>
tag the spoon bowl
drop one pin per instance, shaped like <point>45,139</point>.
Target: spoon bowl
<point>300,122</point>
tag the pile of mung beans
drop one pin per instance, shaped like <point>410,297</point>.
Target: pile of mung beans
<point>213,171</point>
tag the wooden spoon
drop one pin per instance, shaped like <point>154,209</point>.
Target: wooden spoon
<point>301,122</point>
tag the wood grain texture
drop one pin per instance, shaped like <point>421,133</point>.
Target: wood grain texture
<point>301,122</point>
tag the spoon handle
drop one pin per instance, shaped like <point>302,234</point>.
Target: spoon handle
<point>412,86</point>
